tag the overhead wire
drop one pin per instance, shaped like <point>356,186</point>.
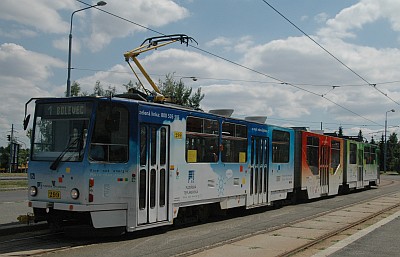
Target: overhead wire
<point>241,65</point>
<point>328,52</point>
<point>241,80</point>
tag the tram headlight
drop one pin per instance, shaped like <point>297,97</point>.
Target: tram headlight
<point>33,191</point>
<point>74,193</point>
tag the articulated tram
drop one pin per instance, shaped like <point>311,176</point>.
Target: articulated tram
<point>133,163</point>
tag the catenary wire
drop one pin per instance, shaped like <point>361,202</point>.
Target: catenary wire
<point>239,80</point>
<point>240,65</point>
<point>328,52</point>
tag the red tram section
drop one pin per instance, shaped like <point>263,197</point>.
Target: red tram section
<point>318,164</point>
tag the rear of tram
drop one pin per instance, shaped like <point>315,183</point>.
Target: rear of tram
<point>77,146</point>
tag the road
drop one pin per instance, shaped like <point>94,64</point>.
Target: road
<point>169,241</point>
<point>13,196</point>
<point>12,204</point>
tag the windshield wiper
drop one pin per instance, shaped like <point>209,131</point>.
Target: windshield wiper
<point>57,161</point>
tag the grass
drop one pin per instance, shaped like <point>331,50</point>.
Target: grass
<point>12,174</point>
<point>9,184</point>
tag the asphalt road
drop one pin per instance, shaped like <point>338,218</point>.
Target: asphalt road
<point>12,204</point>
<point>13,196</point>
<point>169,241</point>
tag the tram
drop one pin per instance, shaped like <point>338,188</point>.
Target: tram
<point>135,161</point>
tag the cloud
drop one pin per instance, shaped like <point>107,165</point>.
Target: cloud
<point>149,13</point>
<point>239,45</point>
<point>219,41</point>
<point>41,15</point>
<point>346,23</point>
<point>321,17</point>
<point>20,63</point>
<point>17,33</point>
<point>24,74</point>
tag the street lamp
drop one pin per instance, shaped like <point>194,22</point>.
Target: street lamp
<point>385,149</point>
<point>192,78</point>
<point>101,3</point>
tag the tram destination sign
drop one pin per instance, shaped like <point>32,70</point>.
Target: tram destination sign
<point>63,110</point>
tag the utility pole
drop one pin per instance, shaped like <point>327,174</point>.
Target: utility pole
<point>13,151</point>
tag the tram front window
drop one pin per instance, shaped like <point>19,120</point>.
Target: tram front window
<point>60,131</point>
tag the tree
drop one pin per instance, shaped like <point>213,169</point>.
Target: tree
<point>381,151</point>
<point>392,152</point>
<point>373,140</point>
<point>4,156</point>
<point>360,137</point>
<point>98,90</point>
<point>75,90</point>
<point>130,85</point>
<point>340,132</point>
<point>179,93</point>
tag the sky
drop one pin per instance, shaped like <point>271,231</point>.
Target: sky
<point>304,63</point>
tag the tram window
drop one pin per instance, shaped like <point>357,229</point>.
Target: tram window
<point>163,143</point>
<point>253,141</point>
<point>201,140</point>
<point>234,142</point>
<point>313,154</point>
<point>335,155</point>
<point>162,187</point>
<point>60,127</point>
<point>142,189</point>
<point>143,145</point>
<point>153,147</point>
<point>280,146</point>
<point>152,188</point>
<point>353,153</point>
<point>373,155</point>
<point>360,156</point>
<point>367,154</point>
<point>110,137</point>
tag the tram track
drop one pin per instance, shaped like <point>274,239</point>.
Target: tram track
<point>338,231</point>
<point>311,241</point>
<point>43,242</point>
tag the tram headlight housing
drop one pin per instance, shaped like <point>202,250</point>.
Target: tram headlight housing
<point>33,191</point>
<point>74,193</point>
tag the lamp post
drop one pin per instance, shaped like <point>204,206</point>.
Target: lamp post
<point>192,78</point>
<point>101,3</point>
<point>385,149</point>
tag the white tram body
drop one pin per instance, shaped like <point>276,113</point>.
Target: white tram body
<point>156,160</point>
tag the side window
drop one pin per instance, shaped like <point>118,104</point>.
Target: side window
<point>353,153</point>
<point>201,140</point>
<point>373,155</point>
<point>367,154</point>
<point>234,142</point>
<point>280,146</point>
<point>335,155</point>
<point>313,154</point>
<point>110,136</point>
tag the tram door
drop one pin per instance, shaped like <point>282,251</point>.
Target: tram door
<point>153,174</point>
<point>258,171</point>
<point>324,169</point>
<point>360,167</point>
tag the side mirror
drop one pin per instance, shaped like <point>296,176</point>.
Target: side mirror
<point>26,121</point>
